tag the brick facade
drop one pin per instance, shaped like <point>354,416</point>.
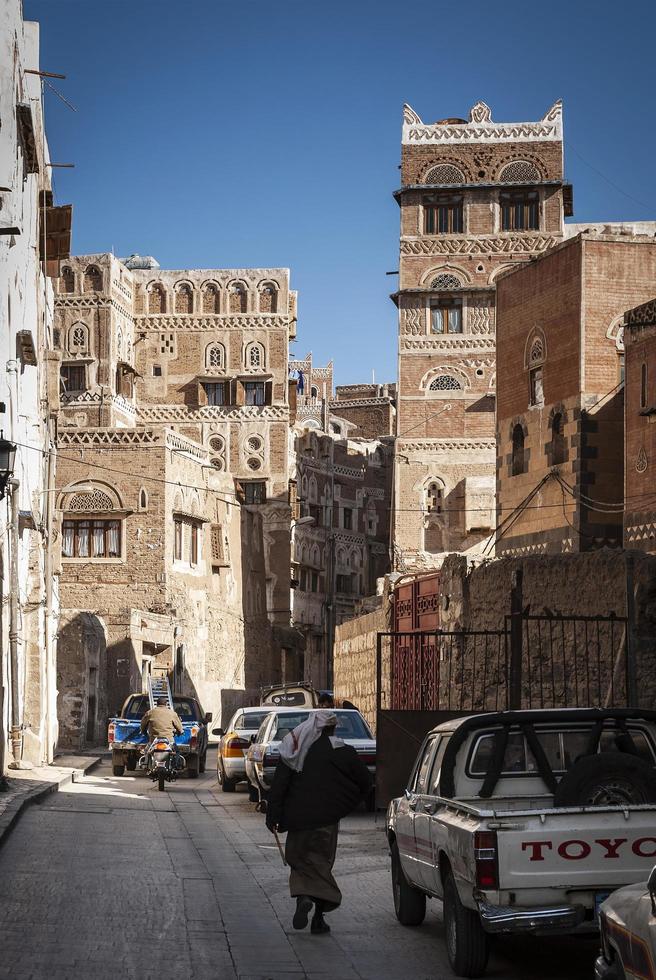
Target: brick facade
<point>454,243</point>
<point>639,337</point>
<point>558,327</point>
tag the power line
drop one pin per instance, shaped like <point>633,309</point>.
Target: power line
<point>607,179</point>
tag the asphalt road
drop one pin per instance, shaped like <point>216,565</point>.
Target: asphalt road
<point>112,879</point>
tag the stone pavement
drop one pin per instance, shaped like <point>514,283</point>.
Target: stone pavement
<point>28,786</point>
<point>111,879</point>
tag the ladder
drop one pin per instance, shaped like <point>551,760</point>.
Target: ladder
<point>158,687</point>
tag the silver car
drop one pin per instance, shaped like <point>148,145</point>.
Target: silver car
<point>263,755</point>
<point>628,933</point>
<point>235,740</point>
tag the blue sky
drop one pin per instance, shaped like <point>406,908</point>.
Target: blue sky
<point>214,134</point>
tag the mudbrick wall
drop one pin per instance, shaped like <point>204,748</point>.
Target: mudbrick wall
<point>355,660</point>
<point>601,583</point>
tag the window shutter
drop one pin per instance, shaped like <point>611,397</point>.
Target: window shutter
<point>218,549</point>
<point>268,393</point>
<point>201,397</point>
<point>239,393</point>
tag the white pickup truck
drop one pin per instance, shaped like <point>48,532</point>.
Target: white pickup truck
<point>524,821</point>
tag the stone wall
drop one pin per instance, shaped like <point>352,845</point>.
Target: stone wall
<point>355,660</point>
<point>600,583</point>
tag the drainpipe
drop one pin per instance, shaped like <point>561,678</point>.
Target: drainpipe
<point>14,615</point>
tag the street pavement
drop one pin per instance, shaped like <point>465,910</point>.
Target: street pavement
<point>111,879</point>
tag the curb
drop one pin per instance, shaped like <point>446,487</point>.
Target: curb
<point>9,818</point>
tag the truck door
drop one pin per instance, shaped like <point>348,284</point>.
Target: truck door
<point>425,807</point>
<point>411,859</point>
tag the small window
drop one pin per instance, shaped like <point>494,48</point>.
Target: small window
<point>436,771</point>
<point>177,545</point>
<point>443,214</point>
<point>434,498</point>
<point>314,581</point>
<point>73,377</point>
<point>518,454</point>
<point>254,492</point>
<point>255,392</point>
<point>536,386</point>
<point>445,382</point>
<point>343,584</point>
<point>643,386</point>
<point>446,315</point>
<point>218,551</point>
<point>520,210</point>
<point>157,370</point>
<point>348,519</point>
<point>91,539</point>
<point>143,499</point>
<point>215,392</point>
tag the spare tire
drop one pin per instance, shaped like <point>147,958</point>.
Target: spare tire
<point>607,779</point>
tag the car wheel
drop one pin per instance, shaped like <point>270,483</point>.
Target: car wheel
<point>467,944</point>
<point>202,762</point>
<point>118,770</point>
<point>131,761</point>
<point>192,767</point>
<point>409,902</point>
<point>253,793</point>
<point>371,802</point>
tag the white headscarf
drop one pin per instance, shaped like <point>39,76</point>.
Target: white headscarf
<point>296,744</point>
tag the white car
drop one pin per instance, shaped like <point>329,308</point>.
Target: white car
<point>628,933</point>
<point>235,740</point>
<point>263,755</point>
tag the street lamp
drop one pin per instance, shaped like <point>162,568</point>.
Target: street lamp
<point>7,460</point>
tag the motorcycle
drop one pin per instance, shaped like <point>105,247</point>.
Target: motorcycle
<point>162,762</point>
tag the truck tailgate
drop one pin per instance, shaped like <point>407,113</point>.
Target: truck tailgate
<point>576,848</point>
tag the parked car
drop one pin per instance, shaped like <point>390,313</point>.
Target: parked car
<point>263,754</point>
<point>628,933</point>
<point>524,821</point>
<point>127,742</point>
<point>235,740</point>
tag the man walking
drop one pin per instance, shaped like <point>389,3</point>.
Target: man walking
<point>318,781</point>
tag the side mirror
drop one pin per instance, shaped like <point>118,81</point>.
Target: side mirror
<point>253,739</point>
<point>217,731</point>
<point>208,717</point>
<point>651,887</point>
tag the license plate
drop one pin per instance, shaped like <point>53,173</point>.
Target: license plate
<point>598,899</point>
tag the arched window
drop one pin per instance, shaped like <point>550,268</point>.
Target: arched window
<point>643,386</point>
<point>156,298</point>
<point>519,172</point>
<point>558,442</point>
<point>446,280</point>
<point>254,359</point>
<point>536,354</point>
<point>312,490</point>
<point>67,284</point>
<point>445,173</point>
<point>268,298</point>
<point>78,338</point>
<point>211,298</point>
<point>238,298</point>
<point>314,392</point>
<point>434,497</point>
<point>518,453</point>
<point>93,281</point>
<point>184,298</point>
<point>143,499</point>
<point>445,382</point>
<point>215,357</point>
<point>86,532</point>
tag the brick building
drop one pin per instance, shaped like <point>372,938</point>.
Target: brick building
<point>175,520</point>
<point>640,428</point>
<point>369,408</point>
<point>477,197</point>
<point>560,392</point>
<point>314,389</point>
<point>340,536</point>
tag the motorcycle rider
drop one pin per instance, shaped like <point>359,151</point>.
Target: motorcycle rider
<point>162,722</point>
